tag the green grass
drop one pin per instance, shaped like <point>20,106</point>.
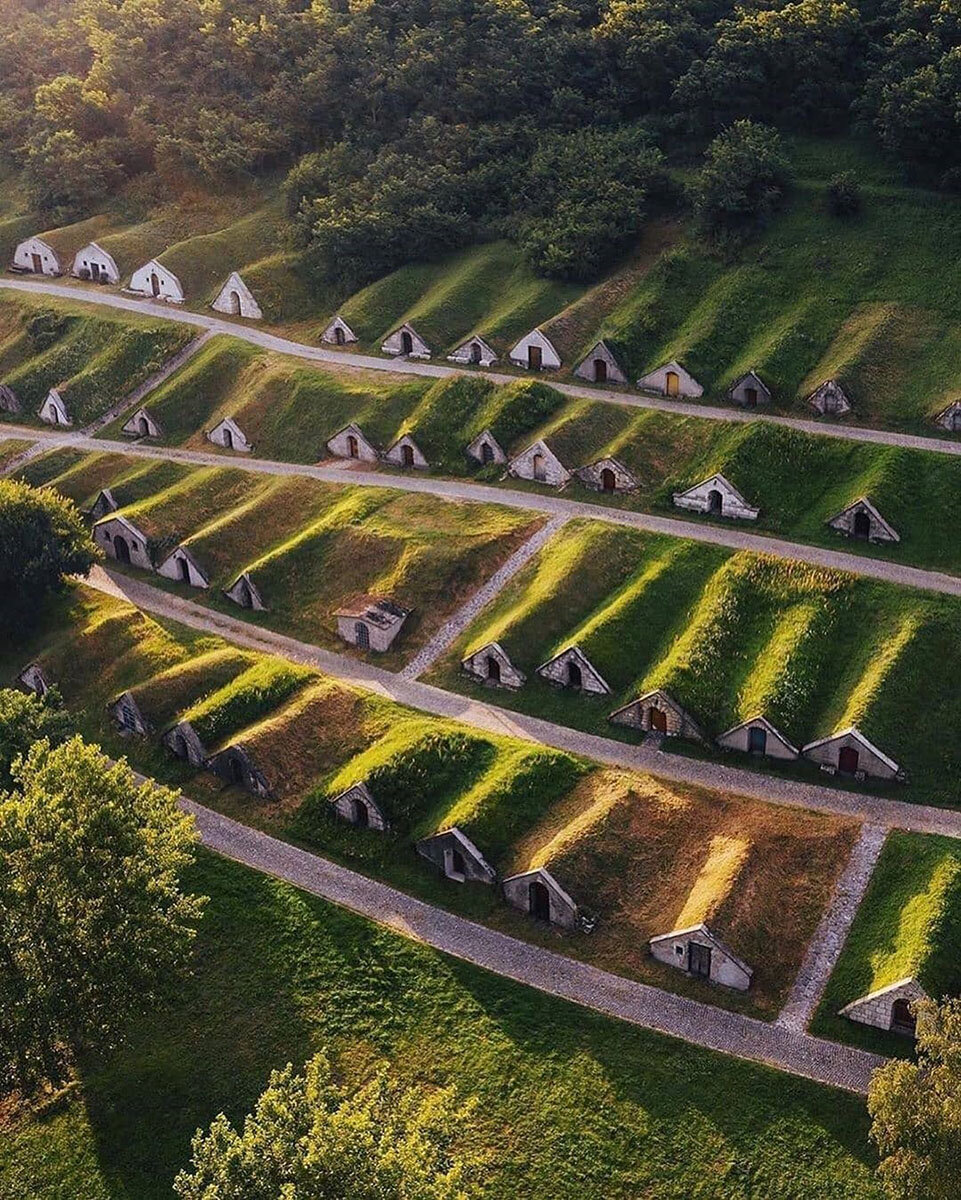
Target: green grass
<point>9,449</point>
<point>280,974</point>
<point>907,925</point>
<point>245,699</point>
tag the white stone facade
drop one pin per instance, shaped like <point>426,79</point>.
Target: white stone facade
<point>657,712</point>
<point>861,520</point>
<point>9,401</point>
<point>698,952</point>
<point>456,857</point>
<point>538,894</point>
<point>53,411</point>
<point>36,257</point>
<point>350,442</point>
<point>492,665</point>
<point>96,264</point>
<point>759,737</point>
<point>536,352</point>
<point>122,540</point>
<point>181,565</point>
<point>749,391</point>
<point>142,425</point>
<point>486,450</point>
<point>607,475</point>
<point>671,379</point>
<point>227,433</point>
<point>371,623</point>
<point>851,753</point>
<point>156,282</point>
<point>950,418</point>
<point>405,342</point>
<point>338,333</point>
<point>540,464</point>
<point>358,807</point>
<point>888,1008</point>
<point>406,453</point>
<point>716,497</point>
<point>236,299</point>
<point>829,399</point>
<point>474,352</point>
<point>572,669</point>
<point>600,366</point>
<point>32,679</point>
<point>244,592</point>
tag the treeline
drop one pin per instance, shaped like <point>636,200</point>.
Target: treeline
<point>427,125</point>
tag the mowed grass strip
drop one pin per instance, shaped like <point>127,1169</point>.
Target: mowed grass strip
<point>908,926</point>
<point>279,974</point>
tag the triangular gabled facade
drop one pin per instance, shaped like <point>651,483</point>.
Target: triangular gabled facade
<point>156,282</point>
<point>474,352</point>
<point>406,342</point>
<point>142,424</point>
<point>456,856</point>
<point>862,520</point>
<point>33,679</point>
<point>671,380</point>
<point>227,433</point>
<point>600,366</point>
<point>36,257</point>
<point>351,442</point>
<point>717,497</point>
<point>607,475</point>
<point>181,565</point>
<point>244,591</point>
<point>538,893</point>
<point>105,503</point>
<point>749,391</point>
<point>948,418</point>
<point>539,463</point>
<point>338,333</point>
<point>9,401</point>
<point>126,712</point>
<point>406,453</point>
<point>236,299</point>
<point>53,411</point>
<point>486,450</point>
<point>571,668</point>
<point>888,1008</point>
<point>182,741</point>
<point>829,399</point>
<point>96,264</point>
<point>758,736</point>
<point>849,752</point>
<point>357,806</point>
<point>235,766</point>
<point>658,712</point>
<point>536,352</point>
<point>698,951</point>
<point>492,665</point>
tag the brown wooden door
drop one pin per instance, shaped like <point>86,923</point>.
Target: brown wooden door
<point>535,358</point>
<point>657,719</point>
<point>608,480</point>
<point>600,370</point>
<point>37,264</point>
<point>407,455</point>
<point>848,760</point>
<point>699,960</point>
<point>672,383</point>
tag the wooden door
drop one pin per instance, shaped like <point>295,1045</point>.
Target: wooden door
<point>600,370</point>
<point>608,480</point>
<point>539,901</point>
<point>535,358</point>
<point>672,383</point>
<point>848,760</point>
<point>657,719</point>
<point>699,960</point>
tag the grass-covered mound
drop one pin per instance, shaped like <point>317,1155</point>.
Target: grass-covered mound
<point>280,974</point>
<point>908,925</point>
<point>93,359</point>
<point>161,697</point>
<point>9,449</point>
<point>245,699</point>
<point>80,477</point>
<point>730,636</point>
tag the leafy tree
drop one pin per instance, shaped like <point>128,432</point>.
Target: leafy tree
<point>93,923</point>
<point>42,540</point>
<point>25,719</point>
<point>742,183</point>
<point>844,195</point>
<point>310,1138</point>
<point>916,1110</point>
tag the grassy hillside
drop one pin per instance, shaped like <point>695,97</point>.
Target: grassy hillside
<point>9,449</point>
<point>279,974</point>
<point>312,737</point>
<point>730,636</point>
<point>309,547</point>
<point>94,360</point>
<point>908,925</point>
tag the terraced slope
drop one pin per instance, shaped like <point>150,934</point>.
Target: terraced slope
<point>909,924</point>
<point>309,547</point>
<point>522,804</point>
<point>730,636</point>
<point>94,360</point>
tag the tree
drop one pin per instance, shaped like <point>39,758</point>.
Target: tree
<point>844,195</point>
<point>310,1138</point>
<point>25,719</point>
<point>916,1110</point>
<point>742,183</point>
<point>94,926</point>
<point>42,540</point>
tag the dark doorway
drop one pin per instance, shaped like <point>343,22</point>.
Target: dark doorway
<point>535,358</point>
<point>359,815</point>
<point>246,595</point>
<point>750,397</point>
<point>339,338</point>
<point>228,438</point>
<point>362,635</point>
<point>848,760</point>
<point>575,677</point>
<point>144,427</point>
<point>235,303</point>
<point>95,272</point>
<point>600,370</point>
<point>493,669</point>
<point>37,264</point>
<point>154,284</point>
<point>407,455</point>
<point>458,865</point>
<point>352,447</point>
<point>902,1019</point>
<point>608,480</point>
<point>862,525</point>
<point>715,502</point>
<point>540,471</point>
<point>475,352</point>
<point>539,901</point>
<point>487,453</point>
<point>657,719</point>
<point>699,960</point>
<point>121,549</point>
<point>236,770</point>
<point>757,740</point>
<point>184,569</point>
<point>954,421</point>
<point>178,744</point>
<point>406,342</point>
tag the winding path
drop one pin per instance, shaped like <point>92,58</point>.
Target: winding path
<point>771,788</point>
<point>677,1016</point>
<point>368,362</point>
<point>732,536</point>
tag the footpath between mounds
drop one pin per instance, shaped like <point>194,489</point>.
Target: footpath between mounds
<point>366,362</point>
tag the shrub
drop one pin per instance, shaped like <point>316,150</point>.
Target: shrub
<point>742,183</point>
<point>844,195</point>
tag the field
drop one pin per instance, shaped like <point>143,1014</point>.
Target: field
<point>309,547</point>
<point>93,360</point>
<point>909,924</point>
<point>639,855</point>
<point>9,449</point>
<point>730,635</point>
<point>280,974</point>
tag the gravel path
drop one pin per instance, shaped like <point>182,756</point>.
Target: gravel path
<point>825,947</point>
<point>367,362</point>
<point>154,381</point>
<point>452,629</point>
<point>677,1016</point>
<point>772,788</point>
<point>734,537</point>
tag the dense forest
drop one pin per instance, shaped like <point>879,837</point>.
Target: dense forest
<point>407,128</point>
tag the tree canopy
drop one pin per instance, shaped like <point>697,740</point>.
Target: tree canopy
<point>25,719</point>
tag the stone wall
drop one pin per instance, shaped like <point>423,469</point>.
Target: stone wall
<point>555,474</point>
<point>563,912</point>
<point>674,951</point>
<point>476,665</point>
<point>340,446</point>
<point>440,849</point>
<point>592,476</point>
<point>106,533</point>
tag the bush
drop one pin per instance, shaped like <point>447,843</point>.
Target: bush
<point>743,182</point>
<point>844,195</point>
